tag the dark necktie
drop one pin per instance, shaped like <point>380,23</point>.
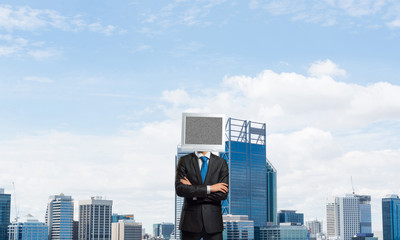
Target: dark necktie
<point>204,167</point>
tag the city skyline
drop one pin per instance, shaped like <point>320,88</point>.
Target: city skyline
<point>91,97</point>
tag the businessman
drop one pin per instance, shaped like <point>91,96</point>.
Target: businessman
<point>202,178</point>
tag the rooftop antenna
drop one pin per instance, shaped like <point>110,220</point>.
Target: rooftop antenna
<point>15,204</point>
<point>352,185</point>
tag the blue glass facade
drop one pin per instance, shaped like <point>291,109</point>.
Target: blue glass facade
<point>391,218</point>
<point>116,217</point>
<point>252,189</point>
<point>271,194</point>
<point>248,192</point>
<point>290,216</point>
<point>5,209</point>
<point>32,229</point>
<point>163,230</point>
<point>284,233</point>
<point>238,228</point>
<point>365,218</point>
<point>59,217</point>
<point>365,213</point>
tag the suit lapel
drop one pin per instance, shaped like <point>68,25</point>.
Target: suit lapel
<point>211,163</point>
<point>195,164</point>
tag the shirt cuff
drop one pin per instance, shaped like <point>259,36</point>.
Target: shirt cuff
<point>208,189</point>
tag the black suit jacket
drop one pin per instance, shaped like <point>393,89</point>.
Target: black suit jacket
<point>206,210</point>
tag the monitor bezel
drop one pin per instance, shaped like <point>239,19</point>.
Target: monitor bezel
<point>203,147</point>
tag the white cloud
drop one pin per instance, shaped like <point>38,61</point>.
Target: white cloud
<point>13,46</point>
<point>39,79</point>
<point>186,49</point>
<point>30,19</point>
<point>143,48</point>
<point>329,13</point>
<point>325,68</point>
<point>7,50</point>
<point>394,24</point>
<point>43,54</point>
<point>187,13</point>
<point>177,97</point>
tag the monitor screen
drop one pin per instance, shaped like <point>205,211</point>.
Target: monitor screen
<point>202,131</point>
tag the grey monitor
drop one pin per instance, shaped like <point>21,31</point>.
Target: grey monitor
<point>203,132</point>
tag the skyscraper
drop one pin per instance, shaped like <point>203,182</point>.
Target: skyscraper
<point>163,230</point>
<point>237,227</point>
<point>364,202</point>
<point>290,216</point>
<point>75,230</point>
<point>391,217</point>
<point>126,230</point>
<point>332,218</point>
<point>5,210</point>
<point>285,231</point>
<point>315,227</point>
<point>252,183</point>
<point>95,219</point>
<point>60,216</point>
<point>30,229</point>
<point>348,216</point>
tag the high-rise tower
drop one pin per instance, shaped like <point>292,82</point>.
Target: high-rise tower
<point>95,216</point>
<point>252,183</point>
<point>126,229</point>
<point>60,217</point>
<point>391,217</point>
<point>348,216</point>
<point>364,202</point>
<point>5,210</point>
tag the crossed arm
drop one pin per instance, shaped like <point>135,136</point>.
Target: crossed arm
<point>184,188</point>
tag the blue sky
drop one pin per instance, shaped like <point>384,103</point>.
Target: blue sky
<point>86,84</point>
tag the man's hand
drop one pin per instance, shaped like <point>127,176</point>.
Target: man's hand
<point>185,181</point>
<point>219,187</point>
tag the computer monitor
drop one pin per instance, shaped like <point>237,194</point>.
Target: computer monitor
<point>203,132</point>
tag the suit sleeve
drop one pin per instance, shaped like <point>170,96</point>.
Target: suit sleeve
<point>183,190</point>
<point>224,178</point>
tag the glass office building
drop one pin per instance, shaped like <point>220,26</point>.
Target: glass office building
<point>126,230</point>
<point>252,177</point>
<point>290,216</point>
<point>95,216</point>
<point>284,232</point>
<point>237,227</point>
<point>31,229</point>
<point>163,230</point>
<point>348,216</point>
<point>5,209</point>
<point>391,217</point>
<point>116,217</point>
<point>365,213</point>
<point>60,217</point>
